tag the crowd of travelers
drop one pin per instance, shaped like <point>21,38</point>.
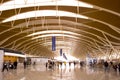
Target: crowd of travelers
<point>9,65</point>
<point>105,65</point>
<point>52,64</point>
<point>111,65</point>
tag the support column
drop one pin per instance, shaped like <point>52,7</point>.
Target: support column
<point>1,58</point>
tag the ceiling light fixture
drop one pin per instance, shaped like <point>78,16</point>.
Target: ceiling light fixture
<point>53,31</point>
<point>41,13</point>
<point>14,4</point>
<point>49,35</point>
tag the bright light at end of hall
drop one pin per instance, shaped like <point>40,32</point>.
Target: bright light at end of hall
<point>40,13</point>
<point>69,58</point>
<point>14,4</point>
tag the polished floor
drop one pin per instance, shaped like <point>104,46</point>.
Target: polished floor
<point>39,72</point>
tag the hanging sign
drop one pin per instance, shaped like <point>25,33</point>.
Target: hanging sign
<point>60,52</point>
<point>53,43</point>
<point>64,56</point>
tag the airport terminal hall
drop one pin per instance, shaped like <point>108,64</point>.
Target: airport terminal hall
<point>59,39</point>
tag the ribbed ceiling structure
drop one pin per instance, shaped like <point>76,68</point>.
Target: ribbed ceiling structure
<point>80,26</point>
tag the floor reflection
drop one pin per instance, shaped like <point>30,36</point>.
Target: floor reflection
<point>66,72</point>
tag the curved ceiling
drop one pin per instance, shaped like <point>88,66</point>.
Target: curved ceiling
<point>80,26</point>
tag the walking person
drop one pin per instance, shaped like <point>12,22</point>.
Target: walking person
<point>46,65</point>
<point>106,66</point>
<point>119,67</point>
<point>15,64</point>
<point>25,64</point>
<point>5,66</point>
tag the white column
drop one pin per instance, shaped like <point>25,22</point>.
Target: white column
<point>1,58</point>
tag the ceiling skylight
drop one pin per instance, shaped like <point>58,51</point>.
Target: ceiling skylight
<point>43,13</point>
<point>13,4</point>
<point>63,47</point>
<point>58,43</point>
<point>49,35</point>
<point>53,31</point>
